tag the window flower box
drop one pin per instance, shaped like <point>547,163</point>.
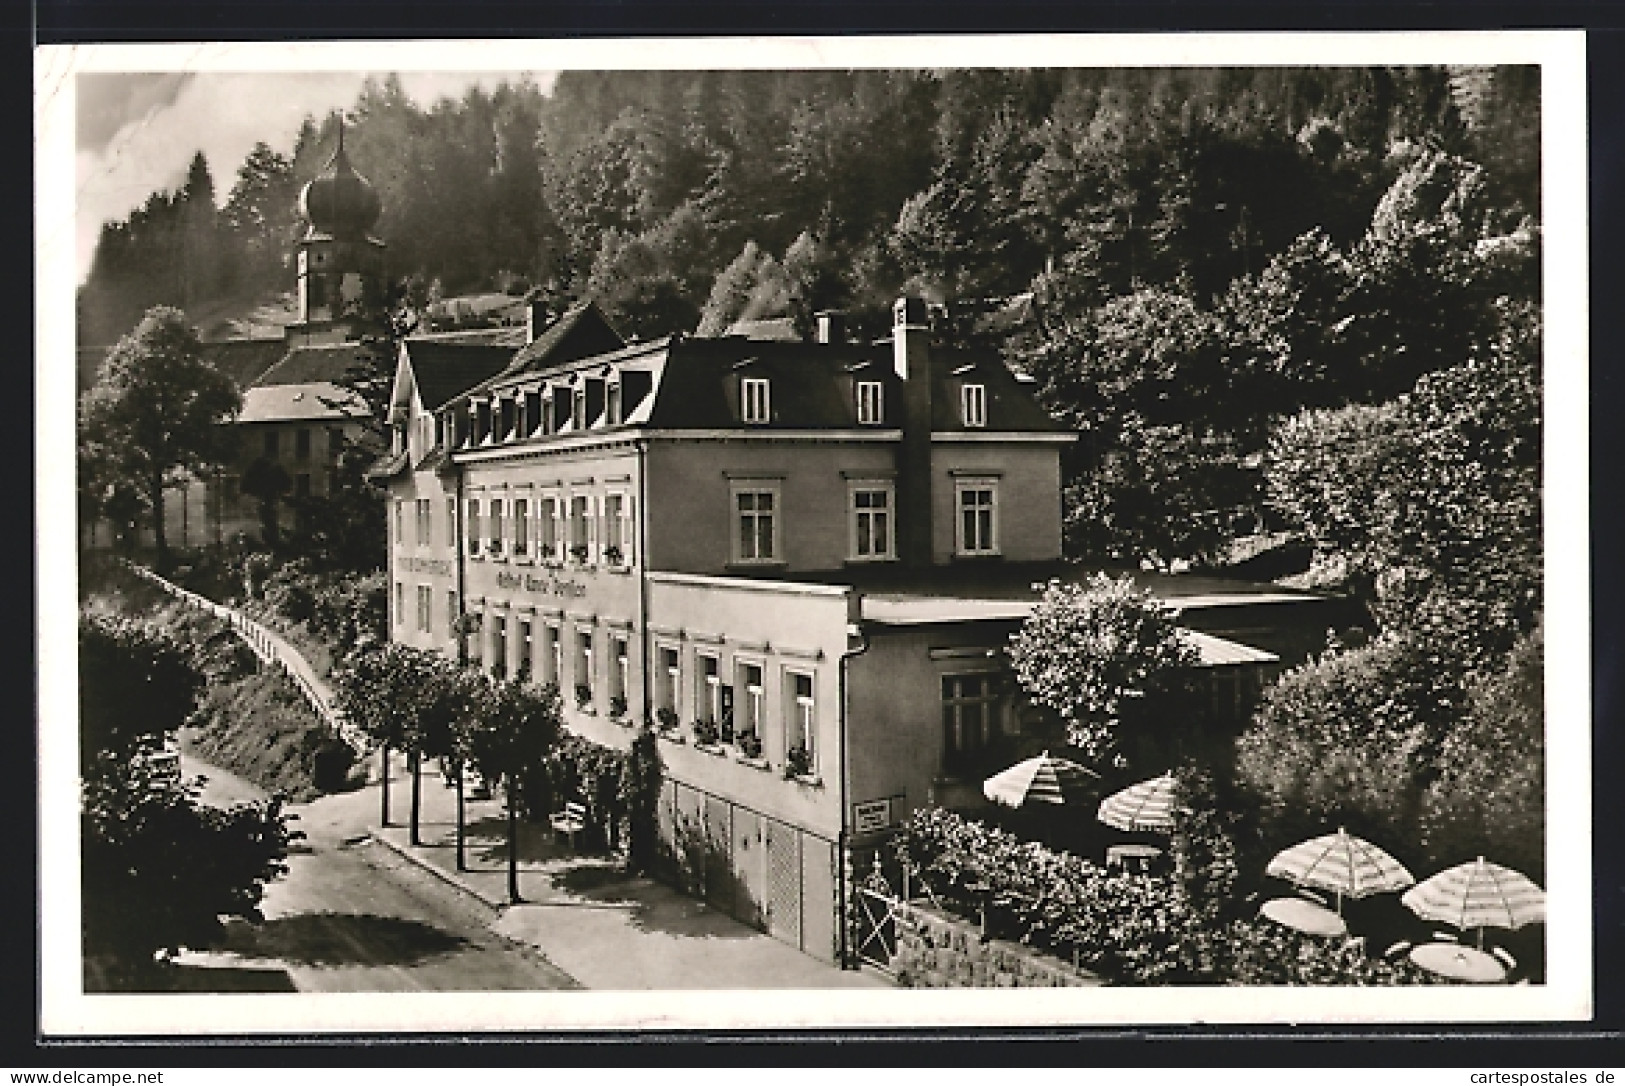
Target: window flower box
<point>584,697</point>
<point>711,749</point>
<point>614,556</point>
<point>754,762</point>
<point>706,733</point>
<point>617,710</point>
<point>749,744</point>
<point>798,764</point>
<point>580,552</point>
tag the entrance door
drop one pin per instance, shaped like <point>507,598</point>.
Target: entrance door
<point>718,874</point>
<point>750,868</point>
<point>784,883</point>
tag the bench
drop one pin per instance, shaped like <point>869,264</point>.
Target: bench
<point>570,821</point>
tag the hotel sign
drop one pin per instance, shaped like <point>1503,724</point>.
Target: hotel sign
<point>413,564</point>
<point>548,584</point>
<point>871,817</point>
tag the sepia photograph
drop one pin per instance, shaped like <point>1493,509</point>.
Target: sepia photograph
<point>779,533</point>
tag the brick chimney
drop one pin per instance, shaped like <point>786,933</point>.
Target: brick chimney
<point>831,326</point>
<point>911,359</point>
<point>535,316</point>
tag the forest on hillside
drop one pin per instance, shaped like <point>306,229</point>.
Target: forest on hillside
<point>1182,257</point>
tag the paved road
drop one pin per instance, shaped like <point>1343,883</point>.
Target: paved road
<point>351,916</point>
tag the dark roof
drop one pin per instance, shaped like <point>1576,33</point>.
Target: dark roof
<point>583,331</point>
<point>314,365</point>
<point>699,389</point>
<point>776,328</point>
<point>245,360</point>
<point>442,370</point>
<point>511,336</point>
<point>1010,404</point>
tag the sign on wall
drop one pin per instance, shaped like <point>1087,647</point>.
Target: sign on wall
<point>871,816</point>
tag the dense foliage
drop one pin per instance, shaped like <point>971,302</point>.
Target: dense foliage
<point>159,868</point>
<point>152,418</point>
<point>1091,650</point>
<point>1130,928</point>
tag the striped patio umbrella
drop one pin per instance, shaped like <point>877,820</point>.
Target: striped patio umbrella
<point>1478,895</point>
<point>1042,779</point>
<point>1342,864</point>
<point>1148,805</point>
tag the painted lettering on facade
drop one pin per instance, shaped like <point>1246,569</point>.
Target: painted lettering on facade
<point>550,585</point>
<point>413,564</point>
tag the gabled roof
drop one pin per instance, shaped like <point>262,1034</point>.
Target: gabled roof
<point>581,332</point>
<point>443,370</point>
<point>511,336</point>
<point>314,400</point>
<point>245,360</point>
<point>326,363</point>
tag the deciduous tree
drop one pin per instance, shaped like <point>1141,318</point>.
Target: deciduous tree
<point>157,412</point>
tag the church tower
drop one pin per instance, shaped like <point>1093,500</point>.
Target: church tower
<point>341,267</point>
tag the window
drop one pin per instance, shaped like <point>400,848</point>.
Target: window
<point>612,405</point>
<point>620,668</point>
<point>547,528</point>
<point>451,610</point>
<point>583,674</point>
<point>472,526</point>
<point>617,530</point>
<point>969,705</point>
<point>750,711</point>
<point>668,678</point>
<point>708,694</point>
<point>400,523</point>
<point>754,405</point>
<point>978,527</point>
<point>757,537</point>
<point>525,649</point>
<point>425,517</point>
<point>425,605</point>
<point>301,443</point>
<point>335,441</point>
<point>301,485</point>
<point>581,528</point>
<point>476,639</point>
<point>872,521</point>
<point>271,450</point>
<point>553,658</point>
<point>800,716</point>
<point>451,522</point>
<point>494,528</point>
<point>521,526</point>
<point>499,646</point>
<point>400,604</point>
<point>973,398</point>
<point>871,403</point>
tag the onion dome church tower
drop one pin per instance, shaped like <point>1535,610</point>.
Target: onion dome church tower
<point>341,267</point>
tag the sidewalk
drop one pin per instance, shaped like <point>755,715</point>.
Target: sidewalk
<point>606,929</point>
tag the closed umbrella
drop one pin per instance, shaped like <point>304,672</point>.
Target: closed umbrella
<point>1042,779</point>
<point>1148,805</point>
<point>1478,895</point>
<point>1342,864</point>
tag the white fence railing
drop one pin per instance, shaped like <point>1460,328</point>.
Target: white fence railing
<point>271,648</point>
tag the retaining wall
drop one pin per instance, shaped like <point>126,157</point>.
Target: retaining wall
<point>935,951</point>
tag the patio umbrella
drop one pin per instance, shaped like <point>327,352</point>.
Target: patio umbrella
<point>1478,895</point>
<point>1041,779</point>
<point>1148,805</point>
<point>1343,864</point>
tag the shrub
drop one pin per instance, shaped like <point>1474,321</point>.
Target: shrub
<point>1131,928</point>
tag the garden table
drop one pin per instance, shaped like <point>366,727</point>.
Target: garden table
<point>1305,916</point>
<point>1457,962</point>
<point>1131,857</point>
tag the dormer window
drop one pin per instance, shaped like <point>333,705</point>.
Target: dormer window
<point>754,404</point>
<point>871,403</point>
<point>973,399</point>
<point>612,405</point>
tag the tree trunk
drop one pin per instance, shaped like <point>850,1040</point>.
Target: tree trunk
<point>416,760</point>
<point>461,865</point>
<point>159,543</point>
<point>513,845</point>
<point>383,777</point>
